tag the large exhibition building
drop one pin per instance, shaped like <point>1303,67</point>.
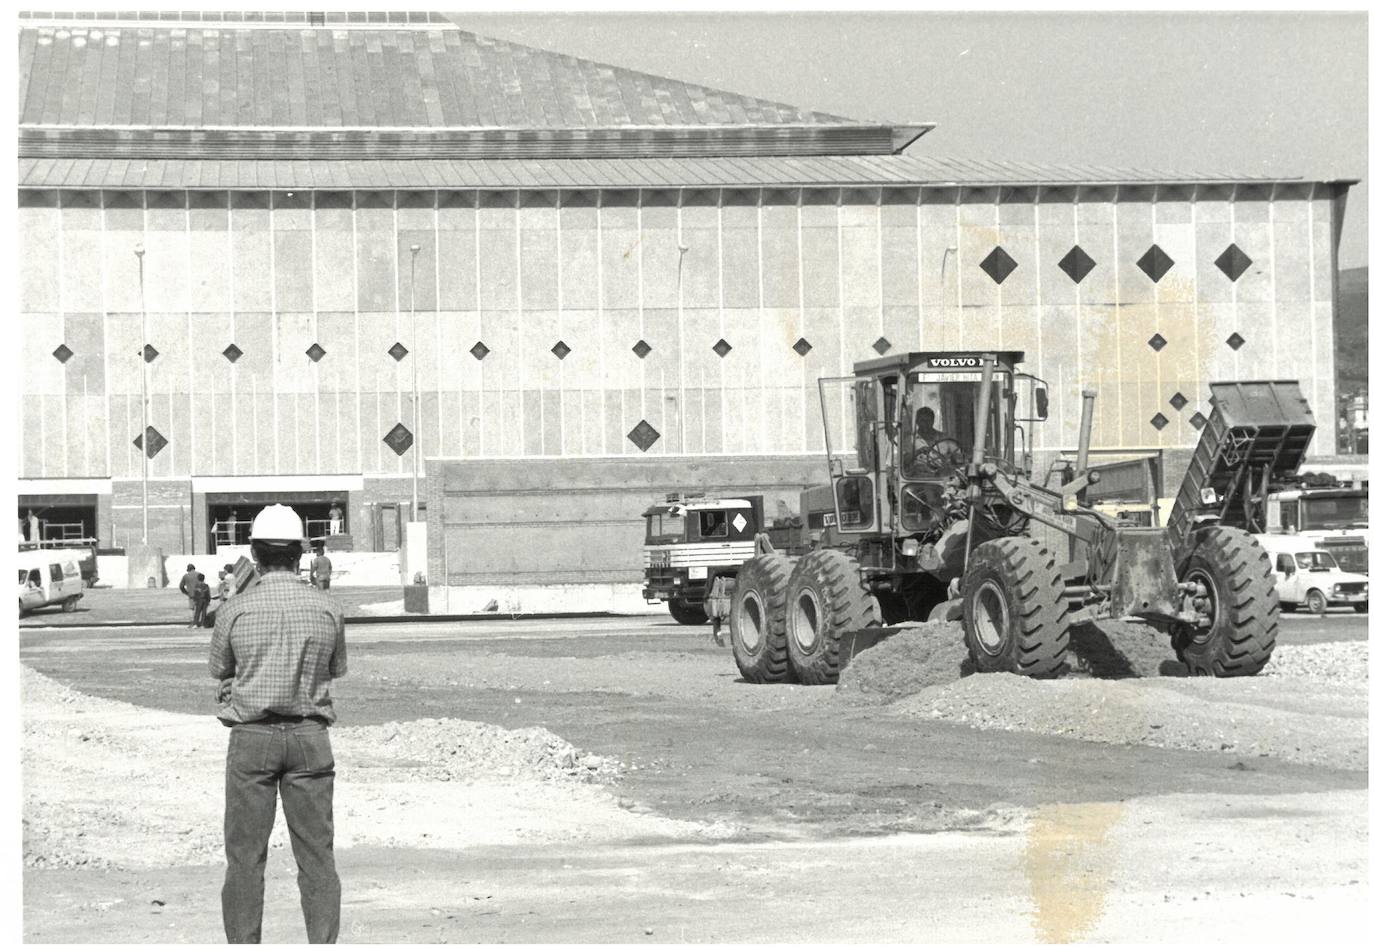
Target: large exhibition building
<point>601,284</point>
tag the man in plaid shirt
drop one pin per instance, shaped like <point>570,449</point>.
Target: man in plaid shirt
<point>275,649</point>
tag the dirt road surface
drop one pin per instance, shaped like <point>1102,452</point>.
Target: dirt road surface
<point>613,780</point>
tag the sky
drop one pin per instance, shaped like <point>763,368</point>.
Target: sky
<point>1232,92</point>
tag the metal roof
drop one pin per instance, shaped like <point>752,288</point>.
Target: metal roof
<point>323,77</point>
<point>735,172</point>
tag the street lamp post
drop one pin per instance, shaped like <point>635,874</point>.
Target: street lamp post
<point>414,395</point>
<point>143,373</point>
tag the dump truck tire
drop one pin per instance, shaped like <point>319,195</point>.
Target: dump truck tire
<point>757,618</point>
<point>824,600</point>
<point>685,614</point>
<point>1244,605</point>
<point>1014,610</point>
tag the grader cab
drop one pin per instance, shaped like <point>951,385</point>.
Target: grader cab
<point>933,506</point>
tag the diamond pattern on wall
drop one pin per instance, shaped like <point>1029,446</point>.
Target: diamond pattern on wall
<point>1157,342</point>
<point>642,349</point>
<point>643,435</point>
<point>1197,420</point>
<point>1155,263</point>
<point>62,353</point>
<point>150,353</point>
<point>316,352</point>
<point>1233,262</point>
<point>1159,421</point>
<point>479,350</point>
<point>561,349</point>
<point>399,438</point>
<point>882,345</point>
<point>1178,401</point>
<point>155,441</point>
<point>802,347</point>
<point>1235,341</point>
<point>998,265</point>
<point>1077,264</point>
<point>397,351</point>
<point>232,353</point>
<point>722,348</point>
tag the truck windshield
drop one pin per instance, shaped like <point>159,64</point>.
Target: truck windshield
<point>1315,561</point>
<point>665,526</point>
<point>1339,511</point>
<point>938,424</point>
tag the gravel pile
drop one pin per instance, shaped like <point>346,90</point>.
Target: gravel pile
<point>111,785</point>
<point>1332,663</point>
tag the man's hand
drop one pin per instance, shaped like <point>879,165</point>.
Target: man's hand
<point>226,690</point>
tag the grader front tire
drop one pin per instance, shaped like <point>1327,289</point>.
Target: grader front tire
<point>1242,601</point>
<point>1014,610</point>
<point>824,600</point>
<point>757,618</point>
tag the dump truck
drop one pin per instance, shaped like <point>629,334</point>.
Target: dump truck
<point>692,542</point>
<point>931,513</point>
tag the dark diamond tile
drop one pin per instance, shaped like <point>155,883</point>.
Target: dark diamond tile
<point>62,353</point>
<point>1197,420</point>
<point>479,350</point>
<point>882,345</point>
<point>1160,420</point>
<point>316,352</point>
<point>232,353</point>
<point>1077,264</point>
<point>722,348</point>
<point>150,353</point>
<point>399,439</point>
<point>1235,341</point>
<point>802,346</point>
<point>1155,263</point>
<point>642,349</point>
<point>1233,262</point>
<point>1178,401</point>
<point>1157,342</point>
<point>561,350</point>
<point>397,351</point>
<point>155,441</point>
<point>643,435</point>
<point>998,265</point>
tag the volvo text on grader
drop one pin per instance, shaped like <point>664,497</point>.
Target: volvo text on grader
<point>931,513</point>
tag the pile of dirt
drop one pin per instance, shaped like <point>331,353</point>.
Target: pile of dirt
<point>905,663</point>
<point>110,785</point>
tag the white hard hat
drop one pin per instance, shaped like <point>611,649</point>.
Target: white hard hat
<point>277,523</point>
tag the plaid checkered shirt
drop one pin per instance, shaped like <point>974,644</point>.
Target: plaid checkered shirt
<point>281,642</point>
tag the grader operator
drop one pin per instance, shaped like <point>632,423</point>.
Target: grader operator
<point>931,513</point>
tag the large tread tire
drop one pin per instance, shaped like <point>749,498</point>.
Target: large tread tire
<point>1014,610</point>
<point>1245,605</point>
<point>687,614</point>
<point>757,615</point>
<point>825,599</point>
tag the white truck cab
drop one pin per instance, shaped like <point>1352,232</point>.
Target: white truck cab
<point>1309,575</point>
<point>47,578</point>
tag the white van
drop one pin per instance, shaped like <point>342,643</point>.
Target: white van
<point>1306,574</point>
<point>48,577</point>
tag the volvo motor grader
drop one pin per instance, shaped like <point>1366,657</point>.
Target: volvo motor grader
<point>931,513</point>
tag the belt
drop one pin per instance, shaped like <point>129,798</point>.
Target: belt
<point>277,719</point>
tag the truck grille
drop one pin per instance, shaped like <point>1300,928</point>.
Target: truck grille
<point>1351,588</point>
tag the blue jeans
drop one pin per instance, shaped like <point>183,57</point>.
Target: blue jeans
<point>295,756</point>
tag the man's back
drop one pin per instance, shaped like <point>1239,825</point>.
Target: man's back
<point>282,642</point>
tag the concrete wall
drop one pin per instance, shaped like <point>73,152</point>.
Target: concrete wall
<point>578,521</point>
<point>274,273</point>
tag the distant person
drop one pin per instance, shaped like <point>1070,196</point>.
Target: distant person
<point>201,600</point>
<point>188,587</point>
<point>35,527</point>
<point>276,650</point>
<point>321,569</point>
<point>226,583</point>
<point>335,519</point>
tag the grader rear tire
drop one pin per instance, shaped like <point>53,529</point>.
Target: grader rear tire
<point>825,599</point>
<point>686,614</point>
<point>1014,610</point>
<point>1242,600</point>
<point>757,613</point>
